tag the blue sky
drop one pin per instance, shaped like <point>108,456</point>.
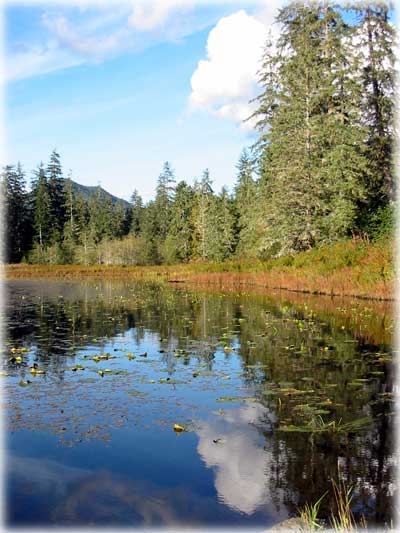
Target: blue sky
<point>119,88</point>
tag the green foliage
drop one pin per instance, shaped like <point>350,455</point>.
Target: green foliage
<point>381,224</point>
<point>17,213</point>
<point>163,201</point>
<point>178,245</point>
<point>42,208</point>
<point>309,515</point>
<point>314,162</point>
<point>57,196</point>
<point>248,208</point>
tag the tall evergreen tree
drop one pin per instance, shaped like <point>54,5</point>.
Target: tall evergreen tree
<point>178,246</point>
<point>226,224</point>
<point>99,217</point>
<point>200,216</point>
<point>137,212</point>
<point>70,225</point>
<point>57,195</point>
<point>150,233</point>
<point>164,199</point>
<point>247,207</point>
<point>83,226</point>
<point>315,163</point>
<point>17,227</point>
<point>118,220</point>
<point>375,39</point>
<point>43,212</point>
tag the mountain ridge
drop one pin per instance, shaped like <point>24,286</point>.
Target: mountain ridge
<point>88,191</point>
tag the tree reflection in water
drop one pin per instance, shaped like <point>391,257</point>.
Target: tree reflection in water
<point>295,362</point>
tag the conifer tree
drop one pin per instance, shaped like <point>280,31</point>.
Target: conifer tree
<point>57,195</point>
<point>375,39</point>
<point>82,224</point>
<point>226,225</point>
<point>178,244</point>
<point>70,225</point>
<point>70,232</point>
<point>164,199</point>
<point>201,216</point>
<point>150,233</point>
<point>247,207</point>
<point>315,165</point>
<point>99,217</point>
<point>118,220</point>
<point>42,210</point>
<point>137,212</point>
<point>17,228</point>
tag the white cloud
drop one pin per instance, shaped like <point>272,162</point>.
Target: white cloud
<point>39,60</point>
<point>151,14</point>
<point>86,46</point>
<point>224,83</point>
<point>105,28</point>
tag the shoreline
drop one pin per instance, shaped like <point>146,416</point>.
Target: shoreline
<point>221,280</point>
<point>351,268</point>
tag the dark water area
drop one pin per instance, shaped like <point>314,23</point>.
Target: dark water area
<point>276,400</point>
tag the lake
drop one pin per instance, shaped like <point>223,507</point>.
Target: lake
<point>148,405</point>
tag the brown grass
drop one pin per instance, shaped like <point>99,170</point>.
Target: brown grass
<point>350,268</point>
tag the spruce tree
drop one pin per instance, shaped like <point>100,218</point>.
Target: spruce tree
<point>99,217</point>
<point>42,210</point>
<point>57,195</point>
<point>70,231</point>
<point>247,207</point>
<point>226,224</point>
<point>70,225</point>
<point>201,216</point>
<point>137,213</point>
<point>17,227</point>
<point>164,199</point>
<point>313,152</point>
<point>375,38</point>
<point>150,233</point>
<point>178,244</point>
<point>118,220</point>
<point>83,227</point>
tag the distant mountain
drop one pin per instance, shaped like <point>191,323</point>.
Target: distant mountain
<point>89,191</point>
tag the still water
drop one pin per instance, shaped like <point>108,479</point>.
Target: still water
<point>276,397</point>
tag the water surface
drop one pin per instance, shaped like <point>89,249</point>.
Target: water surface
<point>277,399</point>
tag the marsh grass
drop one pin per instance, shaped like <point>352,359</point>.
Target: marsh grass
<point>318,425</point>
<point>351,268</point>
<point>309,516</point>
<point>344,518</point>
<point>341,519</point>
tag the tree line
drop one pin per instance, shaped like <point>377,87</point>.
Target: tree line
<point>321,169</point>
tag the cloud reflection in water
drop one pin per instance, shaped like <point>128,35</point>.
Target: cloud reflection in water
<point>241,463</point>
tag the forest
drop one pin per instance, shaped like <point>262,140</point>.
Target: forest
<point>320,171</point>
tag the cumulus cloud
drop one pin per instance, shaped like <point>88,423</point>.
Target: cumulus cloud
<point>225,82</point>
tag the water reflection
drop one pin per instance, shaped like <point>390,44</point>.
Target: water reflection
<point>78,496</point>
<point>248,375</point>
<point>232,445</point>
